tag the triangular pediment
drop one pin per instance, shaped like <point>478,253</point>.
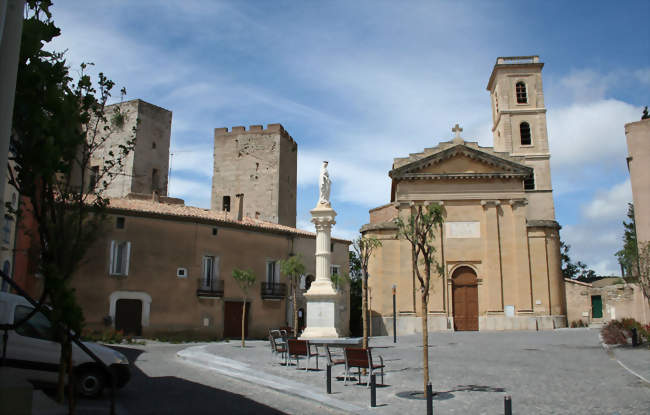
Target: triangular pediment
<point>460,161</point>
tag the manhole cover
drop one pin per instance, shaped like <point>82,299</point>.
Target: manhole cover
<point>419,395</point>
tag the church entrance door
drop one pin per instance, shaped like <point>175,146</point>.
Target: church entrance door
<point>465,299</point>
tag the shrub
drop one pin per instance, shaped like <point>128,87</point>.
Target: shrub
<point>614,333</point>
<point>578,323</point>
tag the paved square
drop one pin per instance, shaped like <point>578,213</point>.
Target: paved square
<point>548,372</point>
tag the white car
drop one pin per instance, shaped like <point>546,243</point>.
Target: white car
<point>34,355</point>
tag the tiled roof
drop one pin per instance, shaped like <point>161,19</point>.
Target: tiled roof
<point>190,212</point>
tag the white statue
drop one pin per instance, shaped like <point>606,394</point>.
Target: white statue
<point>324,184</point>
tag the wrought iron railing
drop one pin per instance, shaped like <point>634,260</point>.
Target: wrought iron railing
<point>212,289</point>
<point>273,290</point>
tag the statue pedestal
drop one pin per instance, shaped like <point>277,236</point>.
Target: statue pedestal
<point>322,298</point>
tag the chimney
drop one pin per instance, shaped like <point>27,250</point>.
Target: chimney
<point>240,206</point>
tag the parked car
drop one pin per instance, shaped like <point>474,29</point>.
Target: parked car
<point>32,351</point>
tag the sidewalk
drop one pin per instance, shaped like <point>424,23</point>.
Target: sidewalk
<point>560,371</point>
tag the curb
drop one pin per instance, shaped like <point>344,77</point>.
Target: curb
<point>610,352</point>
<point>198,356</point>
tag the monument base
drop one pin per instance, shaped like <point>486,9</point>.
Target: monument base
<point>322,315</point>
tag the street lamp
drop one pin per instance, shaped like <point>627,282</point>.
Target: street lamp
<point>394,315</point>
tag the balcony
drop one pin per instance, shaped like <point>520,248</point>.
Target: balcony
<point>273,290</point>
<point>212,290</point>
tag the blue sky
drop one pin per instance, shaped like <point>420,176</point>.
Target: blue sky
<point>361,82</point>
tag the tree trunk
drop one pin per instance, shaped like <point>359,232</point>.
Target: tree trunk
<point>425,340</point>
<point>243,320</point>
<point>364,307</point>
<point>295,309</point>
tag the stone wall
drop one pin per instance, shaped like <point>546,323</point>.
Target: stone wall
<point>261,165</point>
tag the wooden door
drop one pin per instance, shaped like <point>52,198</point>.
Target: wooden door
<point>232,319</point>
<point>465,299</point>
<point>596,306</point>
<point>128,316</point>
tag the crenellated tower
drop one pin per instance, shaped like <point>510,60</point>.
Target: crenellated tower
<point>519,126</point>
<point>255,173</point>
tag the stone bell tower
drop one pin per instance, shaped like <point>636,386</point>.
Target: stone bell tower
<point>519,126</point>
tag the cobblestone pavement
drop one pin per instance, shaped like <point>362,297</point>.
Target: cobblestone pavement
<point>565,371</point>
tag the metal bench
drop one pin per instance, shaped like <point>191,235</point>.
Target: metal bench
<point>301,348</point>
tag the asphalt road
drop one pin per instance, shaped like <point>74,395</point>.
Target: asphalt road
<point>163,384</point>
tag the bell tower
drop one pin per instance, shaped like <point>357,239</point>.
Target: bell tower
<point>519,126</point>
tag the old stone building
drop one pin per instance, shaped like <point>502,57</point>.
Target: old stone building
<point>603,300</point>
<point>499,246</point>
<point>638,147</point>
<point>255,173</point>
<point>146,167</point>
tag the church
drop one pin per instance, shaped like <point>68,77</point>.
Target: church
<point>499,246</point>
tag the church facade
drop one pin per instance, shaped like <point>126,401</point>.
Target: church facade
<point>499,246</point>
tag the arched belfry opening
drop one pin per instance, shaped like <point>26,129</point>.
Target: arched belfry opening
<point>465,299</point>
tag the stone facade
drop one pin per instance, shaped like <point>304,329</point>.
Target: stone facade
<point>638,160</point>
<point>146,167</point>
<point>500,229</point>
<point>255,173</point>
<point>611,298</point>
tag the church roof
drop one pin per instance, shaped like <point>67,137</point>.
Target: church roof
<point>506,166</point>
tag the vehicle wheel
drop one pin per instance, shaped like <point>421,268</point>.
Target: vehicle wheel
<point>90,382</point>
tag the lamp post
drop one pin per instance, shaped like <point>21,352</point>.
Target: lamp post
<point>394,315</point>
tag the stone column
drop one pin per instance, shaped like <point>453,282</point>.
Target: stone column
<point>322,298</point>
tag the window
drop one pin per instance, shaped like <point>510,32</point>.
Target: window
<point>210,270</point>
<point>153,145</point>
<point>335,272</point>
<point>226,204</point>
<point>524,132</point>
<point>119,222</point>
<point>38,326</point>
<point>272,272</point>
<point>522,97</point>
<point>215,231</point>
<point>6,230</point>
<point>529,183</point>
<point>94,176</point>
<point>331,246</point>
<point>120,255</point>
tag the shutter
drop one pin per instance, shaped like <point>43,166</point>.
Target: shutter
<point>276,267</point>
<point>111,259</point>
<point>127,258</point>
<point>216,272</point>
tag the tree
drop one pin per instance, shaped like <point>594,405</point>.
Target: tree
<point>579,270</point>
<point>363,247</point>
<point>58,125</point>
<point>628,256</point>
<point>419,230</point>
<point>293,268</point>
<point>355,294</point>
<point>245,279</point>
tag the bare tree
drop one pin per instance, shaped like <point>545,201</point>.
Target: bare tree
<point>363,247</point>
<point>245,279</point>
<point>293,268</point>
<point>419,229</point>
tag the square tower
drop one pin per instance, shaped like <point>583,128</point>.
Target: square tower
<point>519,126</point>
<point>255,173</point>
<point>145,168</point>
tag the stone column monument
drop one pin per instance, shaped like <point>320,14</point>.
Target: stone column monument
<point>322,305</point>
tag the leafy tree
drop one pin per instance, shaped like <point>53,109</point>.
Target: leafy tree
<point>245,279</point>
<point>363,248</point>
<point>628,256</point>
<point>293,268</point>
<point>58,125</point>
<point>355,293</point>
<point>578,270</point>
<point>419,230</point>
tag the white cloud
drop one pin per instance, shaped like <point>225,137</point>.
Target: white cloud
<point>643,75</point>
<point>595,244</point>
<point>609,204</point>
<point>589,133</point>
<point>194,192</point>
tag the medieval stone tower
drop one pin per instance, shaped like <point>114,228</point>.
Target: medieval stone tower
<point>146,167</point>
<point>519,126</point>
<point>255,173</point>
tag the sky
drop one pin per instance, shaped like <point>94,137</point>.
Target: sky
<point>359,83</point>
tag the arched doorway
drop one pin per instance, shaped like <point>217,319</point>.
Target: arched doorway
<point>465,299</point>
<point>128,316</point>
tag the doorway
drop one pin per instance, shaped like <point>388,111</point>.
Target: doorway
<point>232,319</point>
<point>128,316</point>
<point>465,299</point>
<point>596,306</point>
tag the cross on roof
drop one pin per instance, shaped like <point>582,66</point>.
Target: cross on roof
<point>457,130</point>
